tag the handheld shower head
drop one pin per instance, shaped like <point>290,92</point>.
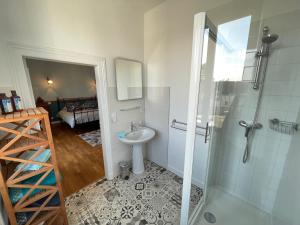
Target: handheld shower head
<point>269,38</point>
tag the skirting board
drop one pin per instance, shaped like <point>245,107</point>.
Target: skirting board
<point>195,181</point>
<point>56,122</point>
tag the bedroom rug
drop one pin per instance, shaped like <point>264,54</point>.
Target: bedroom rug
<point>151,198</point>
<point>93,137</point>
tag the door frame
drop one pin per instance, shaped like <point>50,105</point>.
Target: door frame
<point>22,83</point>
<point>197,53</point>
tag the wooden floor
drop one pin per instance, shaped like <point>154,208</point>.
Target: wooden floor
<point>79,163</point>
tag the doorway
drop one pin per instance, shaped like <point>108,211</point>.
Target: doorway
<point>23,86</point>
<point>68,92</point>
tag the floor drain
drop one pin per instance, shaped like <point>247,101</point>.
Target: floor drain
<point>209,217</point>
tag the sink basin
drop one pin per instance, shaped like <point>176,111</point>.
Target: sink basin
<point>136,139</point>
<point>142,135</point>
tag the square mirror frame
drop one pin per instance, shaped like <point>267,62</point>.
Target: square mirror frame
<point>119,98</point>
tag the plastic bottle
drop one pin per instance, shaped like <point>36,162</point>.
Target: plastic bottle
<point>16,101</point>
<point>6,104</point>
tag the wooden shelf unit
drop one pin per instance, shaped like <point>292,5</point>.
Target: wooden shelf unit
<point>20,132</point>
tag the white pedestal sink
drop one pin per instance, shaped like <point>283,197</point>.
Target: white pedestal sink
<point>136,139</point>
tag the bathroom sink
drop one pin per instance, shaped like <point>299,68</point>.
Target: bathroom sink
<point>137,139</point>
<point>142,135</point>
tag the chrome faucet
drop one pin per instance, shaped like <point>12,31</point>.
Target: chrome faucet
<point>133,126</point>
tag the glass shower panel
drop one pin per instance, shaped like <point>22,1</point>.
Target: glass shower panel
<point>224,46</point>
<point>232,41</point>
<point>262,190</point>
<point>203,119</point>
<point>229,178</point>
<point>227,139</point>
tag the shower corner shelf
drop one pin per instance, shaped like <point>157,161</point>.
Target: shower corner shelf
<point>283,126</point>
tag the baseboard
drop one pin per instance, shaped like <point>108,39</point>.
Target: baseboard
<point>195,181</point>
<point>56,122</point>
<point>158,163</point>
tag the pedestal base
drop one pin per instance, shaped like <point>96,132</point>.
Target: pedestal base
<point>137,159</point>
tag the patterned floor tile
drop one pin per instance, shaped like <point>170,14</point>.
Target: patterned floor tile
<point>151,198</point>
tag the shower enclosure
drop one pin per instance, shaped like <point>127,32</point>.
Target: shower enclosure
<point>245,83</point>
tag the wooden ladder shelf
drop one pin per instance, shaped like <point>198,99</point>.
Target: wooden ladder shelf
<point>29,132</point>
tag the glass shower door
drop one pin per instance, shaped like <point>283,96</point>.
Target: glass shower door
<point>218,58</point>
<point>203,121</point>
<point>198,132</point>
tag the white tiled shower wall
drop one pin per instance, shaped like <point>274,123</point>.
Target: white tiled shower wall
<point>157,107</point>
<point>257,181</point>
<point>287,204</point>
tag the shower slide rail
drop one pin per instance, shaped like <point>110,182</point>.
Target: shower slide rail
<point>202,131</point>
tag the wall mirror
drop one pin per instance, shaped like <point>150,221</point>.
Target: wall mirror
<point>129,79</point>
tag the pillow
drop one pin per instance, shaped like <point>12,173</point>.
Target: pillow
<point>43,157</point>
<point>71,106</point>
<point>90,105</point>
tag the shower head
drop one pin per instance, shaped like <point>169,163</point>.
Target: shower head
<point>269,38</point>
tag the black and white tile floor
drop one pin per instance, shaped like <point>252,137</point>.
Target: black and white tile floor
<point>151,198</point>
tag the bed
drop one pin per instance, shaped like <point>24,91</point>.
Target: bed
<point>78,111</point>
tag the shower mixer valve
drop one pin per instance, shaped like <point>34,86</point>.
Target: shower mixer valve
<point>249,126</point>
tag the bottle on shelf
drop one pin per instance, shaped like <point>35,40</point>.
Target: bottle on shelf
<point>5,104</point>
<point>16,101</point>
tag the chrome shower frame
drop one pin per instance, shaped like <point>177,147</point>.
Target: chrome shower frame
<point>264,51</point>
<point>259,55</point>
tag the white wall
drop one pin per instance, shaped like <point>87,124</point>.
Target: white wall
<point>69,80</point>
<point>157,106</point>
<point>167,53</point>
<point>98,27</point>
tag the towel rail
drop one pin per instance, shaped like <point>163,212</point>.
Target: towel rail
<point>206,129</point>
<point>130,108</point>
